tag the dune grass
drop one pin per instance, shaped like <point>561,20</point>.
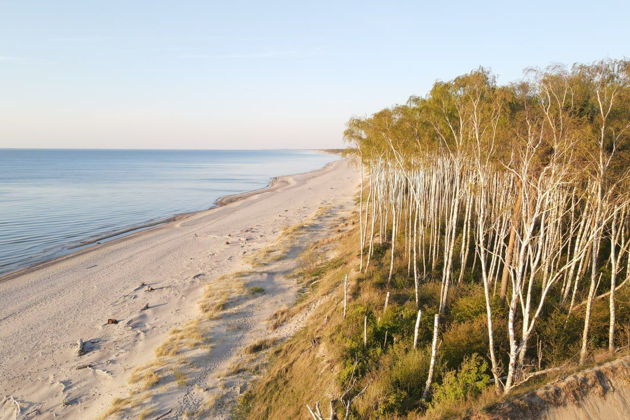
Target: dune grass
<point>171,363</point>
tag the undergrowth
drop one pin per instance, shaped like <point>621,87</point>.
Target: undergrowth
<point>329,360</point>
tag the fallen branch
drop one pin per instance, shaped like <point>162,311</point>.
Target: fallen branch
<point>100,371</point>
<point>348,403</point>
<point>166,413</point>
<point>603,295</point>
<point>317,413</point>
<point>18,409</point>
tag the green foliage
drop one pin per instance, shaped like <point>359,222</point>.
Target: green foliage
<point>467,382</point>
<point>463,338</point>
<point>409,369</point>
<point>241,410</point>
<point>429,295</point>
<point>466,137</point>
<point>470,305</point>
<point>561,336</point>
<point>356,357</point>
<point>397,382</point>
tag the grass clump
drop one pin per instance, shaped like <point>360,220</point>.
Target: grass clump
<point>256,290</point>
<point>260,345</point>
<point>118,405</point>
<point>180,377</point>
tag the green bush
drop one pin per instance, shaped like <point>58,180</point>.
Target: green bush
<point>396,383</point>
<point>409,369</point>
<point>429,295</point>
<point>468,382</point>
<point>469,306</point>
<point>463,339</point>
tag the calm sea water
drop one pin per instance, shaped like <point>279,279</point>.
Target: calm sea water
<point>52,201</point>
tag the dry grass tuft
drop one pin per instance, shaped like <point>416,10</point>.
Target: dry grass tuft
<point>191,335</point>
<point>150,379</point>
<point>279,318</point>
<point>260,345</point>
<point>239,367</point>
<point>146,413</point>
<point>121,406</point>
<point>180,377</point>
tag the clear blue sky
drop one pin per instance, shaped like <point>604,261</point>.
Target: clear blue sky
<point>263,74</point>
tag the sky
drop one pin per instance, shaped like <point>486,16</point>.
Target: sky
<point>183,74</point>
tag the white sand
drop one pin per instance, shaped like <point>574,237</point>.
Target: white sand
<point>44,312</point>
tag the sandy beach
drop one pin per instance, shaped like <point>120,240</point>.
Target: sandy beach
<point>149,283</point>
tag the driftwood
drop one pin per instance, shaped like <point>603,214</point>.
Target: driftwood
<point>316,413</point>
<point>145,307</point>
<point>18,409</point>
<point>100,372</point>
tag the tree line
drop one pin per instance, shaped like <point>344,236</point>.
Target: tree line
<point>522,189</point>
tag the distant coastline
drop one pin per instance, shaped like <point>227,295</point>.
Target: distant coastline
<point>93,243</point>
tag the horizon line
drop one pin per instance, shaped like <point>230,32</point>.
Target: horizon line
<point>167,149</point>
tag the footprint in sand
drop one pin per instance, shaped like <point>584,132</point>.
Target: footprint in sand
<point>137,322</point>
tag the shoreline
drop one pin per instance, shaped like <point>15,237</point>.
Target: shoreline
<point>92,244</point>
<point>149,283</point>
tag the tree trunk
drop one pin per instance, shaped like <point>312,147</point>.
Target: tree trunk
<point>415,330</point>
<point>510,248</point>
<point>345,296</point>
<point>427,387</point>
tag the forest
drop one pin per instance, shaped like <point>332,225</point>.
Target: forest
<point>522,189</point>
<point>492,243</point>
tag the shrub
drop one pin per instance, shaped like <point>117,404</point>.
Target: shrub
<point>468,382</point>
<point>395,386</point>
<point>469,306</point>
<point>462,339</point>
<point>409,369</point>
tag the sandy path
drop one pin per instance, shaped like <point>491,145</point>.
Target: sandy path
<point>43,313</point>
<point>226,370</point>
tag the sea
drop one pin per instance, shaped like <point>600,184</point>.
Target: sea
<point>56,201</point>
